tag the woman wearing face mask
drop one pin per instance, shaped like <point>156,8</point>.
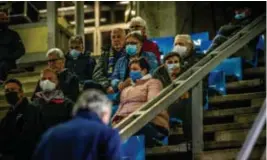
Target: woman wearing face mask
<point>143,89</point>
<point>133,48</point>
<point>55,107</point>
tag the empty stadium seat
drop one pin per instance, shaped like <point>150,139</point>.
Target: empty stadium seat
<point>231,67</point>
<point>134,148</point>
<point>216,81</point>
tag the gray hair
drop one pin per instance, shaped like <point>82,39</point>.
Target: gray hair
<point>92,100</point>
<point>139,20</point>
<point>58,52</point>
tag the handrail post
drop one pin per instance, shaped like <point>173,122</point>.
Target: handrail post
<point>197,120</point>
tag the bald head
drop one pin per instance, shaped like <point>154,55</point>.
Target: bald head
<point>118,38</point>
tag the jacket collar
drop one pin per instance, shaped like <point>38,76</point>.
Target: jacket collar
<point>20,107</point>
<point>88,115</point>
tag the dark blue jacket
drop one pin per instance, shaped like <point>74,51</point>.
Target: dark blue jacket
<point>85,137</point>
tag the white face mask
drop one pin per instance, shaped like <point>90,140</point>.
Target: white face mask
<point>47,85</point>
<point>173,66</point>
<point>181,50</point>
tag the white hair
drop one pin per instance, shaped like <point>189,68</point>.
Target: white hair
<point>139,20</point>
<point>94,101</point>
<point>58,52</point>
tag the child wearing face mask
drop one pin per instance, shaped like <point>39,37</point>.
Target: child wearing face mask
<point>143,88</point>
<point>55,107</point>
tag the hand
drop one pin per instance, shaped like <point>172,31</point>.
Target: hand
<point>185,96</point>
<point>110,90</point>
<point>125,84</point>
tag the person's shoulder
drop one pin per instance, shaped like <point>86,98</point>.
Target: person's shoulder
<point>149,42</point>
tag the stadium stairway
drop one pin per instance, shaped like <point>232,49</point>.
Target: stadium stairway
<point>226,123</point>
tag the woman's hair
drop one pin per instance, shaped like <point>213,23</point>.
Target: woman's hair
<point>172,54</point>
<point>136,35</point>
<point>142,63</point>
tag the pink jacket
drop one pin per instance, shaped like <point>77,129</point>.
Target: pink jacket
<point>137,95</point>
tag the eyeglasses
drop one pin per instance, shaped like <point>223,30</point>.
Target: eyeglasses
<point>136,27</point>
<point>53,60</point>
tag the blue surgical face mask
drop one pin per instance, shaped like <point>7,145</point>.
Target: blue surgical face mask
<point>75,53</point>
<point>135,75</point>
<point>240,16</point>
<point>131,49</point>
<point>173,66</point>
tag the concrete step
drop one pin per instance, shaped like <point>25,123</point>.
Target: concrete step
<point>24,74</point>
<point>245,118</point>
<point>235,97</point>
<point>229,144</point>
<point>228,112</point>
<point>244,84</point>
<point>171,149</point>
<point>216,127</point>
<point>234,135</point>
<point>230,154</point>
<point>258,72</point>
<point>3,113</point>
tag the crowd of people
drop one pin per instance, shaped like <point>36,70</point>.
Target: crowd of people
<point>64,121</point>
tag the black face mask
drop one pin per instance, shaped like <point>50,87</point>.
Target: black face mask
<point>12,98</point>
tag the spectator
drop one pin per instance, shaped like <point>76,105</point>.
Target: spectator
<point>86,136</point>
<point>139,24</point>
<point>11,47</point>
<point>108,59</point>
<point>184,46</point>
<point>243,15</point>
<point>143,89</point>
<point>20,128</point>
<point>54,106</point>
<point>182,107</point>
<point>68,82</point>
<point>79,61</point>
<point>134,43</point>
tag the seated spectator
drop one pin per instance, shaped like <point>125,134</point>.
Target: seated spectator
<point>85,137</point>
<point>108,59</point>
<point>134,44</point>
<point>11,47</point>
<point>139,24</point>
<point>79,61</point>
<point>20,128</point>
<point>143,89</point>
<point>68,82</point>
<point>55,107</point>
<point>180,109</point>
<point>184,46</point>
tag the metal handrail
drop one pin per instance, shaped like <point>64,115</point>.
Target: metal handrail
<point>253,134</point>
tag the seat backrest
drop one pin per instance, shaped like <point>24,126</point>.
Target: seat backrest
<point>134,148</point>
<point>165,44</point>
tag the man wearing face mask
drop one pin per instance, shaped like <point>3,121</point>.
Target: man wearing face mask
<point>68,82</point>
<point>138,24</point>
<point>134,43</point>
<point>78,61</point>
<point>108,59</point>
<point>244,13</point>
<point>55,107</point>
<point>11,47</point>
<point>21,127</point>
<point>183,45</point>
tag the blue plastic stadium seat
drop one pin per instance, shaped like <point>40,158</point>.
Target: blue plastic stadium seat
<point>165,44</point>
<point>198,40</point>
<point>217,81</point>
<point>134,148</point>
<point>231,67</point>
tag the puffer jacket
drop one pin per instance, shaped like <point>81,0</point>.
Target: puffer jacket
<point>135,96</point>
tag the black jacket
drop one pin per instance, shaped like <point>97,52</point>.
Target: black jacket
<point>68,83</point>
<point>11,47</point>
<point>53,112</point>
<point>83,66</point>
<point>20,130</point>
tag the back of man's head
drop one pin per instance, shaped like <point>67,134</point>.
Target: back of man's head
<point>94,101</point>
